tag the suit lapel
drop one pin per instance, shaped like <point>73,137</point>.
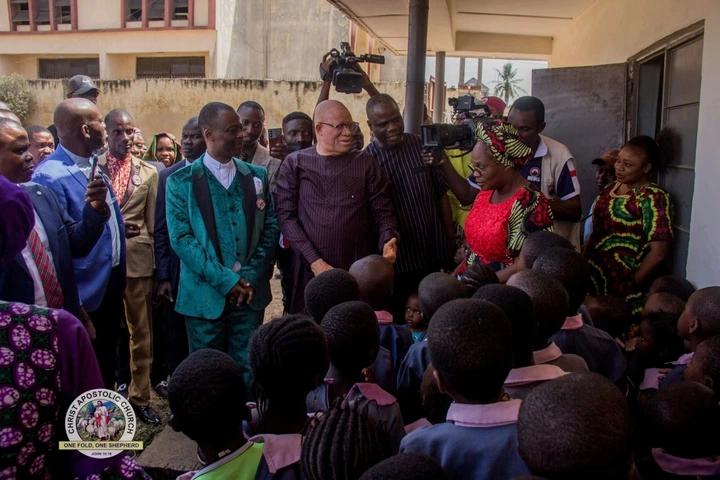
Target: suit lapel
<point>249,201</point>
<point>201,190</point>
<point>76,173</point>
<point>134,171</point>
<point>49,221</point>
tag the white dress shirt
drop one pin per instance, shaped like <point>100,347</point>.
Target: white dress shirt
<point>27,255</point>
<point>84,166</point>
<point>224,172</point>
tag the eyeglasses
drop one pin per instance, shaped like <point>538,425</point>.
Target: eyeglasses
<point>480,170</point>
<point>354,127</point>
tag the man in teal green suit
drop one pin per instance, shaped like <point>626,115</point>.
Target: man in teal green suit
<point>222,224</point>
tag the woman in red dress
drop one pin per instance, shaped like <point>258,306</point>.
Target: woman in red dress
<point>508,208</point>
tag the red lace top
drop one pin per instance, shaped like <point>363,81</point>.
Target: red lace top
<point>496,232</point>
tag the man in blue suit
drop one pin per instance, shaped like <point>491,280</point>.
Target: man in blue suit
<point>44,265</point>
<point>101,274</point>
<point>170,343</point>
<point>223,226</point>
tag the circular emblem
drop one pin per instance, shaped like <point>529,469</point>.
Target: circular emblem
<point>534,172</point>
<point>100,415</point>
<point>136,180</point>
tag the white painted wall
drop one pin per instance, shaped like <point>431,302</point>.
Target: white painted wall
<point>703,266</point>
<point>611,31</point>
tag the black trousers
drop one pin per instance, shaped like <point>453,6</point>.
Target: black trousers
<point>170,342</point>
<point>107,319</point>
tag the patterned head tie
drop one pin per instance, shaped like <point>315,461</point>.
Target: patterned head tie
<point>504,143</point>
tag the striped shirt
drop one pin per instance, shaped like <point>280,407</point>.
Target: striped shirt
<point>415,190</point>
<point>334,208</point>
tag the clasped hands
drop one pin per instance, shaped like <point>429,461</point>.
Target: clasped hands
<point>241,293</point>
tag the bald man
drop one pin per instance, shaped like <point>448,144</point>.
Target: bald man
<point>101,274</point>
<point>333,202</point>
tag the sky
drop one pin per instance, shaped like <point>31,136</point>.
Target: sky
<point>490,76</point>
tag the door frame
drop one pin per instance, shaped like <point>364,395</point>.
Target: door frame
<point>686,35</point>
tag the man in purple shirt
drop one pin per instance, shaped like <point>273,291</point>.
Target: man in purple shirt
<point>333,202</point>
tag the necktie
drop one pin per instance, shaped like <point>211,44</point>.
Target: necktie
<point>48,276</point>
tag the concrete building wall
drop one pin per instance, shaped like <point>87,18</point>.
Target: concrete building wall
<point>611,31</point>
<point>276,39</point>
<point>96,14</point>
<point>164,105</point>
<point>4,19</point>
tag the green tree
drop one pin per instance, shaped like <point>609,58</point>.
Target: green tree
<point>15,93</point>
<point>507,87</point>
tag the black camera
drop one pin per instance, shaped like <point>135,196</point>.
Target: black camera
<point>462,135</point>
<point>345,74</point>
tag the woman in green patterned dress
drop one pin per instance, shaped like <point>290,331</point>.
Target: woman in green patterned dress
<point>632,225</point>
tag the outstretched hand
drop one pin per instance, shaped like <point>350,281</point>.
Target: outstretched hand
<point>390,250</point>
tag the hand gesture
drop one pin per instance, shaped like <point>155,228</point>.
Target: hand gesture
<point>96,194</point>
<point>164,291</point>
<point>429,158</point>
<point>279,151</point>
<point>132,230</point>
<point>390,250</point>
<point>320,266</point>
<point>89,326</point>
<point>241,293</point>
<point>327,64</point>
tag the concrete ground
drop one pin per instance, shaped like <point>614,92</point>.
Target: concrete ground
<point>166,453</point>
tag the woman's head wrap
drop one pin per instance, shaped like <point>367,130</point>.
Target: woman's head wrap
<point>151,152</point>
<point>504,143</point>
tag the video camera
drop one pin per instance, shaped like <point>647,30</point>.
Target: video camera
<point>345,73</point>
<point>439,136</point>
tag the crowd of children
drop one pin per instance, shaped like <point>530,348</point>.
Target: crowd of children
<point>479,380</point>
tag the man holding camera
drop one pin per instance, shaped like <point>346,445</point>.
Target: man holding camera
<point>333,203</point>
<point>419,196</point>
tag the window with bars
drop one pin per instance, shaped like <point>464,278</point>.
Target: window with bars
<point>170,67</point>
<point>156,10</point>
<point>20,11</point>
<point>68,67</point>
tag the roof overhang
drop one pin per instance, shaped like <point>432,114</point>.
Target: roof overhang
<point>521,29</point>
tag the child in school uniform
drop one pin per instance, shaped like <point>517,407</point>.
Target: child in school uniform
<point>375,276</point>
<point>550,304</point>
<point>663,302</point>
<point>576,427</point>
<point>414,320</point>
<point>332,288</point>
<point>699,321</point>
<point>353,339</point>
<point>476,276</point>
<point>518,307</point>
<point>470,345</point>
<point>434,291</point>
<point>609,314</point>
<point>657,344</point>
<point>704,368</point>
<point>599,350</point>
<point>328,289</point>
<point>288,358</point>
<point>344,442</point>
<point>406,466</point>
<point>682,421</point>
<point>207,399</point>
<point>536,244</point>
<point>673,284</point>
